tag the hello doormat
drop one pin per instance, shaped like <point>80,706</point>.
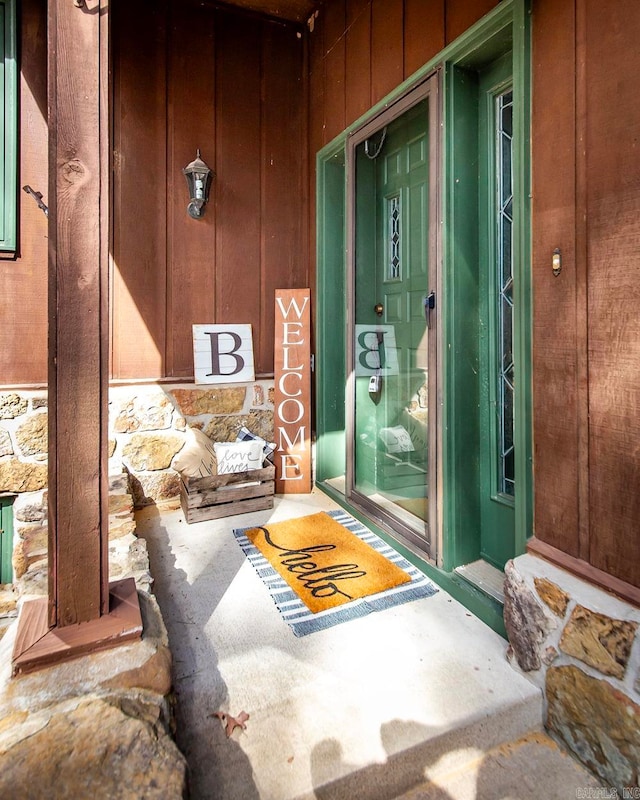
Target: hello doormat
<point>327,568</point>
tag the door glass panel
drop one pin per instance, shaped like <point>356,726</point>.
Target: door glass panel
<point>391,285</point>
<point>394,216</point>
<point>504,160</point>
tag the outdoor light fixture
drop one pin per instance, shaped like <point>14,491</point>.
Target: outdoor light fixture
<point>198,177</point>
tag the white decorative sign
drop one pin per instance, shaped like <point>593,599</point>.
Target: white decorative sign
<point>376,350</point>
<point>238,456</point>
<point>223,354</point>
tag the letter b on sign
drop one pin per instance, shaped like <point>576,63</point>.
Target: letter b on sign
<point>223,353</point>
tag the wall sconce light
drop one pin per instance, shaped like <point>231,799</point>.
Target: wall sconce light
<point>198,176</point>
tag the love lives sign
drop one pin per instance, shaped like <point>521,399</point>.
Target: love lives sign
<point>292,391</point>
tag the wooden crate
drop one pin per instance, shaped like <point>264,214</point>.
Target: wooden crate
<point>223,495</point>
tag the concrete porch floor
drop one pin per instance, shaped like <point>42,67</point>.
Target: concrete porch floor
<point>416,702</point>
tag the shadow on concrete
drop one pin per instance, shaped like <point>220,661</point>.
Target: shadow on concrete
<point>402,770</point>
<point>528,768</point>
<point>213,759</point>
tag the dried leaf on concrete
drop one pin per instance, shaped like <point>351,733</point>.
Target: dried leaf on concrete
<point>231,723</point>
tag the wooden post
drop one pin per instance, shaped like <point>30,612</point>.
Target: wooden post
<point>77,329</point>
<point>82,613</point>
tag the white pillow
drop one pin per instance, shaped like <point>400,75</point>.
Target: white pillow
<point>396,440</point>
<point>197,459</point>
<point>238,456</point>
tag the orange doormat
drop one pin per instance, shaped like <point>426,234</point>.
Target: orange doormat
<point>319,573</point>
<point>323,562</point>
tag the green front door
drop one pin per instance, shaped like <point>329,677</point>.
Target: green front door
<point>393,413</point>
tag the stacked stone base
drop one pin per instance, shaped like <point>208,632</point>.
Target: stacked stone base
<point>127,554</point>
<point>99,726</point>
<point>582,647</point>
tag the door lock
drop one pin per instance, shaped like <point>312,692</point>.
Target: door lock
<point>429,304</point>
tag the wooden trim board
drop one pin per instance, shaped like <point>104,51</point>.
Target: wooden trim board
<point>584,570</point>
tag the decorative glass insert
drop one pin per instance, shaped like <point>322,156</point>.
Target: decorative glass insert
<point>504,250</point>
<point>393,259</point>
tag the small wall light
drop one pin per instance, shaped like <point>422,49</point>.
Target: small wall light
<point>198,176</point>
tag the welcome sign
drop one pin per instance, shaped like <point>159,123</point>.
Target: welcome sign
<point>292,391</point>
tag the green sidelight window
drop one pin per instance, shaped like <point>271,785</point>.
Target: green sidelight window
<point>8,126</point>
<point>504,252</point>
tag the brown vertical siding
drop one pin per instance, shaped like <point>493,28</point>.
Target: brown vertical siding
<point>387,47</point>
<point>555,381</point>
<point>423,32</point>
<point>365,48</point>
<point>334,69</point>
<point>586,201</point>
<point>23,299</point>
<point>139,295</point>
<point>191,120</point>
<point>461,14</point>
<point>284,198</point>
<point>238,175</point>
<point>232,85</point>
<point>358,59</point>
<point>613,289</point>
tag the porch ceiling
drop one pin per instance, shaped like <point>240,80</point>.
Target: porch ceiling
<point>293,10</point>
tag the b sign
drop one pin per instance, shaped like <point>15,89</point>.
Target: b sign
<point>223,353</point>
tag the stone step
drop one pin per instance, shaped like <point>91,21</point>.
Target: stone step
<point>529,768</point>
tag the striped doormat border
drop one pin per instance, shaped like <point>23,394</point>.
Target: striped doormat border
<point>297,615</point>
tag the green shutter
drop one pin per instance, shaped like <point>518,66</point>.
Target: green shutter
<point>6,539</point>
<point>8,126</point>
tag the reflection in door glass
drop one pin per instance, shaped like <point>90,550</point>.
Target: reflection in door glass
<point>504,162</point>
<point>391,335</point>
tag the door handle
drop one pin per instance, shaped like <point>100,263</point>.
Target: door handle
<point>429,304</point>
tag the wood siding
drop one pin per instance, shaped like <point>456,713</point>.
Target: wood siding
<point>23,299</point>
<point>586,201</point>
<point>232,85</point>
<point>362,49</point>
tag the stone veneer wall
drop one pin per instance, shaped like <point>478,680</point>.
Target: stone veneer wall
<point>147,425</point>
<point>582,647</point>
<point>127,554</point>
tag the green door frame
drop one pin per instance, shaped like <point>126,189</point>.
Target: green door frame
<point>503,29</point>
<point>460,256</point>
